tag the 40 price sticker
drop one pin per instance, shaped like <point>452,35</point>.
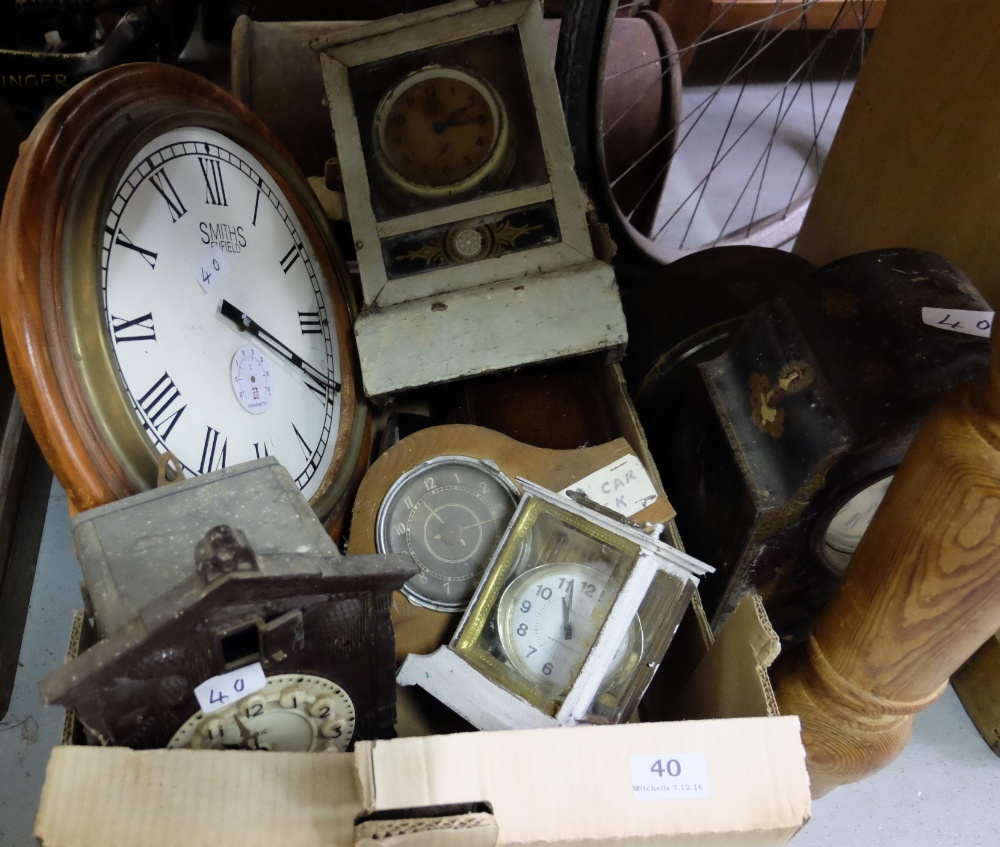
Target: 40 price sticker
<point>219,691</point>
<point>670,776</point>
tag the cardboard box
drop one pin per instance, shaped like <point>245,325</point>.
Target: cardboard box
<point>735,780</point>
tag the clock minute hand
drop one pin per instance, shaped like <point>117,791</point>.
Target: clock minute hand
<point>245,323</point>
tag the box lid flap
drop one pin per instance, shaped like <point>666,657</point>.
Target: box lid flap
<point>96,796</point>
<point>628,783</point>
<point>732,680</point>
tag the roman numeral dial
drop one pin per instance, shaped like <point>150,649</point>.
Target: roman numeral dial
<point>220,321</point>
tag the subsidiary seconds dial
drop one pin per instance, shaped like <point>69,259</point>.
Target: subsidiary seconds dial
<point>218,316</point>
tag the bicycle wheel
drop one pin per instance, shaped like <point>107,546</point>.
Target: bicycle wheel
<point>762,96</point>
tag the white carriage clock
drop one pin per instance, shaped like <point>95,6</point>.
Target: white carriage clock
<point>569,623</point>
<point>469,222</point>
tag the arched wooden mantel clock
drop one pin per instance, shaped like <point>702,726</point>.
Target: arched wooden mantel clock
<point>169,285</point>
<point>445,495</point>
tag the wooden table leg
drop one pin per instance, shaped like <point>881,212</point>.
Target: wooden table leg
<point>920,595</point>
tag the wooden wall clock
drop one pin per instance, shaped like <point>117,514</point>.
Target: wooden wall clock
<point>445,495</point>
<point>169,285</point>
<point>468,220</point>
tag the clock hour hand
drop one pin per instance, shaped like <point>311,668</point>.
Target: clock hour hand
<point>567,608</point>
<point>245,323</point>
<point>457,118</point>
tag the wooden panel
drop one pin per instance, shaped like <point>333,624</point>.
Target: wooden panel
<point>914,163</point>
<point>977,684</point>
<point>782,14</point>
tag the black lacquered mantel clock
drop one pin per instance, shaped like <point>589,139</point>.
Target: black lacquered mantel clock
<point>170,287</point>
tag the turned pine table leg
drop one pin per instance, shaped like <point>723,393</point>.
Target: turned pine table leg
<point>920,595</point>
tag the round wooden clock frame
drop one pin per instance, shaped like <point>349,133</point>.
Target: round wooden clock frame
<point>50,239</point>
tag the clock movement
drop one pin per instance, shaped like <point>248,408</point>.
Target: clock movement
<point>169,285</point>
<point>468,221</point>
<point>225,618</point>
<point>779,452</point>
<point>445,494</point>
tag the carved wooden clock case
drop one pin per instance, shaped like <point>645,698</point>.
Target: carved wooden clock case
<point>169,284</point>
<point>208,576</point>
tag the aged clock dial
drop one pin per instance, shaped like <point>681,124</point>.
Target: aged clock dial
<point>441,131</point>
<point>448,513</point>
<point>548,619</point>
<point>294,713</point>
<point>182,295</point>
<point>843,533</point>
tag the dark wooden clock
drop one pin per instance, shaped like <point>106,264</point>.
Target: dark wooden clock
<point>169,285</point>
<point>777,455</point>
<point>219,581</point>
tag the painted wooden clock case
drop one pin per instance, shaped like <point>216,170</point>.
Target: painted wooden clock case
<point>51,235</point>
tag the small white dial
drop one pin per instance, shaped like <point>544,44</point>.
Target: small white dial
<point>548,621</point>
<point>252,379</point>
<point>293,713</point>
<point>849,524</point>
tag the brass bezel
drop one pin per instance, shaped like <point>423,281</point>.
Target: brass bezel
<point>83,143</point>
<point>507,565</point>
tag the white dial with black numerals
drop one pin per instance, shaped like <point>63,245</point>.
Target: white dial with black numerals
<point>220,321</point>
<point>293,713</point>
<point>548,619</point>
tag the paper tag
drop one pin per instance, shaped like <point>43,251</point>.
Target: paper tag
<point>670,776</point>
<point>219,691</point>
<point>623,486</point>
<point>969,321</point>
<point>213,268</point>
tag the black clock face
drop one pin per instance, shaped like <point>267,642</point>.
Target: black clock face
<point>449,514</point>
<point>218,317</point>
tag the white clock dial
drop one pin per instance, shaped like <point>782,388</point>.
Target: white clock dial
<point>203,256</point>
<point>251,373</point>
<point>549,618</point>
<point>293,713</point>
<point>846,528</point>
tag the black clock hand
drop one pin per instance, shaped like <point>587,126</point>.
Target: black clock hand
<point>245,323</point>
<point>567,608</point>
<point>247,736</point>
<point>457,118</point>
